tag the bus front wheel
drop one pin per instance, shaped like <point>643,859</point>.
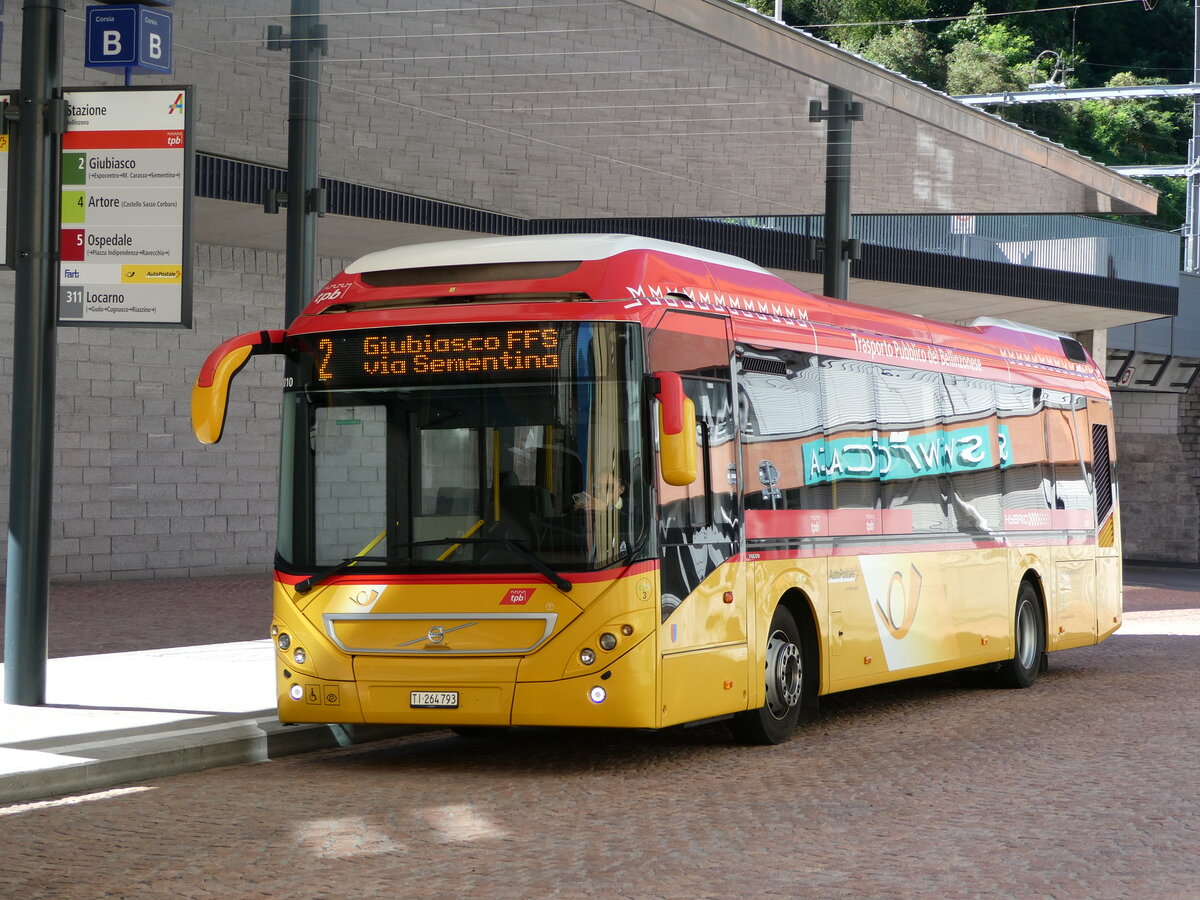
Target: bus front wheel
<point>1029,641</point>
<point>790,686</point>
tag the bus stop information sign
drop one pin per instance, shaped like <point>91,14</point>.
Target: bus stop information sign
<point>126,208</point>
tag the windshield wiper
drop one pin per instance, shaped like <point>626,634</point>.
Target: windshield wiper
<point>528,555</point>
<point>316,578</point>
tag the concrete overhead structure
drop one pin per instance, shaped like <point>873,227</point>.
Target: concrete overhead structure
<point>624,108</point>
<point>627,108</point>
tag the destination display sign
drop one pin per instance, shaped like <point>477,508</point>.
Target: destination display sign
<point>126,208</point>
<point>388,356</point>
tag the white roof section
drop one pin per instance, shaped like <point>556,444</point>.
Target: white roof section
<point>535,248</point>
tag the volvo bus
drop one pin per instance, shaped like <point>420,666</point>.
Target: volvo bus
<point>607,481</point>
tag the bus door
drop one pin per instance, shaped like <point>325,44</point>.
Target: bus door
<point>704,597</point>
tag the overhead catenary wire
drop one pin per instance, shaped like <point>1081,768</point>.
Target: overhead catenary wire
<point>448,35</point>
<point>757,198</point>
<point>985,15</point>
<point>412,11</point>
<point>749,143</point>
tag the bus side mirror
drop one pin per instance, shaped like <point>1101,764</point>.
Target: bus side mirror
<point>676,430</point>
<point>210,395</point>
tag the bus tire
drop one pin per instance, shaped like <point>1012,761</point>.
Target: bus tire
<point>1029,641</point>
<point>790,673</point>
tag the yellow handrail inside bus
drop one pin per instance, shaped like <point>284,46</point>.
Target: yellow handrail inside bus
<point>371,546</point>
<point>454,547</point>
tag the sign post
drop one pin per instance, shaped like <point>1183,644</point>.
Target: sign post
<point>27,591</point>
<point>6,198</point>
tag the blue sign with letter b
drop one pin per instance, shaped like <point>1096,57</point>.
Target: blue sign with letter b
<point>128,37</point>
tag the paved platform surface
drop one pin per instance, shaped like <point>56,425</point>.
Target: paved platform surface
<point>150,678</point>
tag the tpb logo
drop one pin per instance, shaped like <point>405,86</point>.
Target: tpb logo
<point>517,596</point>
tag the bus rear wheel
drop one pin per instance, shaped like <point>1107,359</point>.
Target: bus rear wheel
<point>1029,642</point>
<point>790,686</point>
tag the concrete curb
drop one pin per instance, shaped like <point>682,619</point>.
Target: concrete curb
<point>102,760</point>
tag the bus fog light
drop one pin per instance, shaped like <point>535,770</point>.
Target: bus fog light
<point>296,692</point>
<point>597,694</point>
<point>284,641</point>
<point>587,656</point>
<point>627,630</point>
<point>608,641</point>
<point>300,656</point>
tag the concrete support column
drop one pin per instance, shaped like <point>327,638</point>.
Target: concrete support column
<point>1095,343</point>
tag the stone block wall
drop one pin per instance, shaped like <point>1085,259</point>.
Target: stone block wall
<point>135,495</point>
<point>1158,470</point>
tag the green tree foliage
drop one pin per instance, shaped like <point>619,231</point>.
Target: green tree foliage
<point>911,52</point>
<point>1121,131</point>
<point>1113,45</point>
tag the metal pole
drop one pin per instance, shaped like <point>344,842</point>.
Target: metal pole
<point>305,203</point>
<point>841,112</point>
<point>303,187</point>
<point>26,632</point>
<point>1191,262</point>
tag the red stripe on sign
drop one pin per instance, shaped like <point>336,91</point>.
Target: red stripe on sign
<point>123,140</point>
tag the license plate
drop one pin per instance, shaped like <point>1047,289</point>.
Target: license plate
<point>433,699</point>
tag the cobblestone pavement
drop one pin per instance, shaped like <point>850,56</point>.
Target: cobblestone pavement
<point>1085,785</point>
<point>119,616</point>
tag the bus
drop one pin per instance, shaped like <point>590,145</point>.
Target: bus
<point>609,481</point>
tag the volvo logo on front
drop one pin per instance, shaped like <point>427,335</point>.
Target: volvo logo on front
<point>436,635</point>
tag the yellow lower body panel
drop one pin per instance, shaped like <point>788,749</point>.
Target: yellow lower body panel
<point>484,688</point>
<point>628,701</point>
<point>478,704</point>
<point>700,684</point>
<point>488,694</point>
<point>321,700</point>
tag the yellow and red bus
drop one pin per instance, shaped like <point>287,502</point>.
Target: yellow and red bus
<point>602,480</point>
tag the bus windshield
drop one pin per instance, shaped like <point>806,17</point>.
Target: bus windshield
<point>449,449</point>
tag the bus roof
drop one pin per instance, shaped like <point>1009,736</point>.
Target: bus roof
<point>531,248</point>
<point>638,277</point>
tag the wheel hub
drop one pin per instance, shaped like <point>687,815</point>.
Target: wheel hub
<point>784,675</point>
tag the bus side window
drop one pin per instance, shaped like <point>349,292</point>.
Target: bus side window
<point>781,427</point>
<point>706,509</point>
<point>698,521</point>
<point>849,395</point>
<point>1026,477</point>
<point>1070,455</point>
<point>910,407</point>
<point>976,495</point>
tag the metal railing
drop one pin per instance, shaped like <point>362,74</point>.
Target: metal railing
<point>1078,244</point>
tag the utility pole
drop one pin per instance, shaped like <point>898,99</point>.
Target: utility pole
<point>42,121</point>
<point>304,197</point>
<point>1191,246</point>
<point>839,248</point>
